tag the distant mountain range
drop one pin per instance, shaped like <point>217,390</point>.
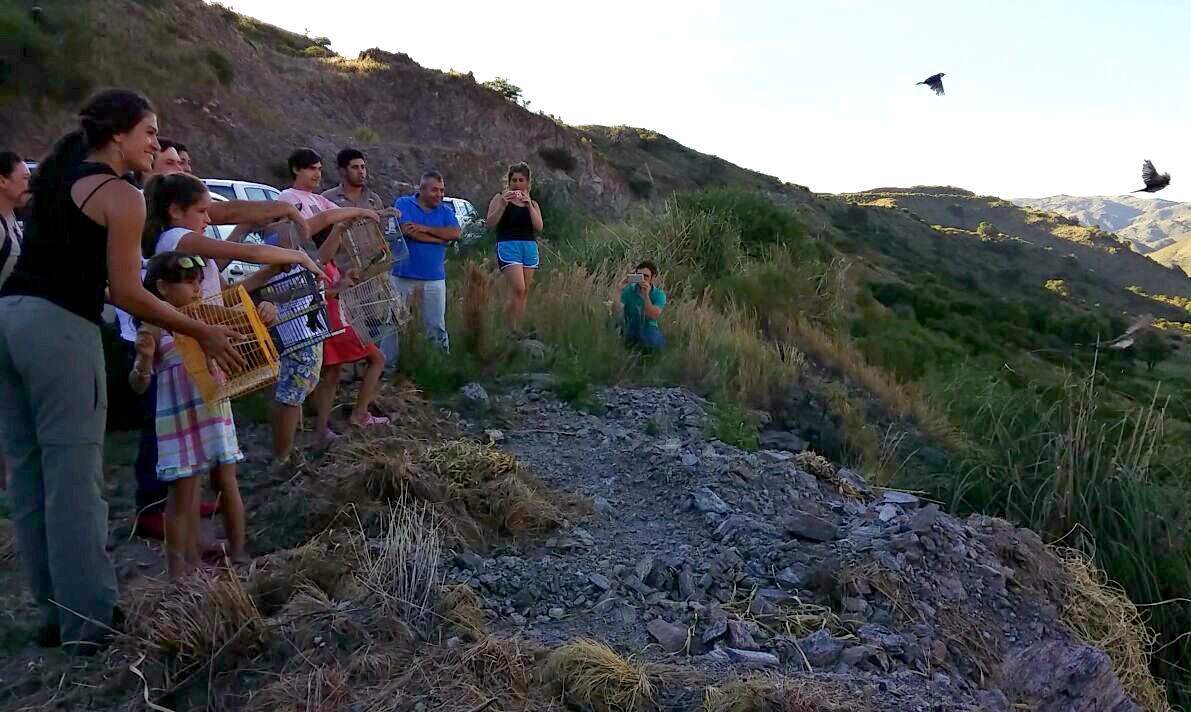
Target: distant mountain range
<point>1151,225</point>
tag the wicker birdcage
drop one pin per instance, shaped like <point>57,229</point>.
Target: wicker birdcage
<point>301,310</point>
<point>364,248</point>
<point>234,309</point>
<point>373,308</point>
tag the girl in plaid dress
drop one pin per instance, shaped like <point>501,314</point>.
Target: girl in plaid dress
<point>193,437</point>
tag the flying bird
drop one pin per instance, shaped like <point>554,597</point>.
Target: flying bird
<point>1154,180</point>
<point>935,81</point>
<point>1126,339</point>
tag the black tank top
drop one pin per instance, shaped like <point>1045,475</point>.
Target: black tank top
<point>64,254</point>
<point>514,224</point>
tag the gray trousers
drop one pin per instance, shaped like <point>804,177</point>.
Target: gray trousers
<point>53,411</point>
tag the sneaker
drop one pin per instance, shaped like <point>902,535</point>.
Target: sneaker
<point>48,636</point>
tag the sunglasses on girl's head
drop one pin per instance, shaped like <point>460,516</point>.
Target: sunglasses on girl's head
<point>191,262</point>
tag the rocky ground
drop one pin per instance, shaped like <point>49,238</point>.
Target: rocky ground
<point>704,554</point>
<point>701,561</point>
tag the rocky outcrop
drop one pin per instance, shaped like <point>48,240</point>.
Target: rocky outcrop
<point>729,560</point>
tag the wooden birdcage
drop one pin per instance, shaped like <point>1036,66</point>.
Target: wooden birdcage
<point>364,249</point>
<point>373,308</point>
<point>301,310</point>
<point>234,309</point>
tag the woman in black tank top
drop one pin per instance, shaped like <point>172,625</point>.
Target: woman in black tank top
<point>53,401</point>
<point>517,219</point>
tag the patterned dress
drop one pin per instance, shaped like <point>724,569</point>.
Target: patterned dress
<point>192,435</point>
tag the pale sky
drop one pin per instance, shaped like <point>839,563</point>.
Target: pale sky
<point>1043,97</point>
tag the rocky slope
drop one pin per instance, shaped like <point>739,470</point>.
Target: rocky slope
<point>705,567</point>
<point>1150,224</point>
<point>242,94</point>
<point>706,555</point>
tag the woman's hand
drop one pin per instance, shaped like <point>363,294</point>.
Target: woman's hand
<point>508,195</point>
<point>218,343</point>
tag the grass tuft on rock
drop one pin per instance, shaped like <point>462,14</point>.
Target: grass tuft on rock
<point>590,675</point>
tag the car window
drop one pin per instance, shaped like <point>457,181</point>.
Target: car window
<point>224,190</point>
<point>256,194</point>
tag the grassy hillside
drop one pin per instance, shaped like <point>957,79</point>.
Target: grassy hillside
<point>241,94</point>
<point>1150,225</point>
<point>962,362</point>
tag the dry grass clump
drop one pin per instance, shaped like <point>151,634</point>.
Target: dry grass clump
<point>1101,613</point>
<point>402,569</point>
<point>494,487</point>
<point>323,689</point>
<point>778,694</point>
<point>458,605</point>
<point>203,616</point>
<point>823,469</point>
<point>795,619</point>
<point>319,564</point>
<point>590,675</point>
<point>901,399</point>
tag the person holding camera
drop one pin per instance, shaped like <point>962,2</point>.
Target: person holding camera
<point>517,219</point>
<point>642,302</point>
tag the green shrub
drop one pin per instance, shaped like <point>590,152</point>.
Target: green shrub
<point>505,88</point>
<point>318,51</point>
<point>559,158</point>
<point>224,70</point>
<point>731,425</point>
<point>760,221</point>
<point>363,134</point>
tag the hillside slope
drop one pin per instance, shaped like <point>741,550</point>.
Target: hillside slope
<point>1057,247</point>
<point>241,94</point>
<point>1149,224</point>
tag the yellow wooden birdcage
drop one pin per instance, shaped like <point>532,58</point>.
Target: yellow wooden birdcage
<point>373,308</point>
<point>260,365</point>
<point>365,250</point>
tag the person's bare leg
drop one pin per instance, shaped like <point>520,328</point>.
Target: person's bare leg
<point>514,276</point>
<point>177,538</point>
<point>324,400</point>
<point>285,429</point>
<point>231,507</point>
<point>527,274</point>
<point>369,385</point>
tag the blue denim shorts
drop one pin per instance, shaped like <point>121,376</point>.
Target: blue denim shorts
<point>518,252</point>
<point>300,371</point>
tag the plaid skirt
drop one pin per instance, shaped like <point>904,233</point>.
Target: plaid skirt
<point>193,436</point>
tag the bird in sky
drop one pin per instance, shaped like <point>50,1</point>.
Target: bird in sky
<point>1154,180</point>
<point>935,81</point>
<point>1126,339</point>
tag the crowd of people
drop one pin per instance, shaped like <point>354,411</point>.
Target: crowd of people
<point>115,216</point>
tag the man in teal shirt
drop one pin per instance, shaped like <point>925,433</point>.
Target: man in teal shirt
<point>643,303</point>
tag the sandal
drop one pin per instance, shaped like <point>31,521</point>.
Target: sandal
<point>370,419</point>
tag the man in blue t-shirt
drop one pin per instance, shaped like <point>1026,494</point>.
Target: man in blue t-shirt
<point>428,226</point>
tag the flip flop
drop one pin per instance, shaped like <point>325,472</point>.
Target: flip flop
<point>370,419</point>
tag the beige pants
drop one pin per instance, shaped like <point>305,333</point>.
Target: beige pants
<point>53,411</point>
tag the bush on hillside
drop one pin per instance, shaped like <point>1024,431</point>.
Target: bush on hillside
<point>1152,348</point>
<point>559,158</point>
<point>317,51</point>
<point>224,70</point>
<point>52,58</point>
<point>761,221</point>
<point>505,88</point>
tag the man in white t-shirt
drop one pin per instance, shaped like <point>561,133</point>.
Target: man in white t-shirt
<point>301,368</point>
<point>14,193</point>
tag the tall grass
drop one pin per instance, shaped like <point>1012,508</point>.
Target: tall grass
<point>1067,462</point>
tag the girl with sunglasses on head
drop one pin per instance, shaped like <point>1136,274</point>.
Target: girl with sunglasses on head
<point>193,437</point>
